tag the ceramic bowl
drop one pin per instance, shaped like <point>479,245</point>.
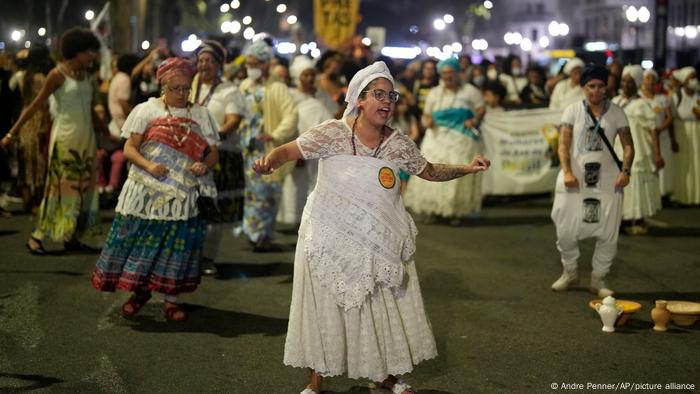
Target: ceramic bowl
<point>684,313</point>
<point>628,309</point>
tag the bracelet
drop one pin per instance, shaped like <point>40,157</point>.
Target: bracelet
<point>627,171</point>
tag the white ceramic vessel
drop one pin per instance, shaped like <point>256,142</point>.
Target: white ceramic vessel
<point>608,312</point>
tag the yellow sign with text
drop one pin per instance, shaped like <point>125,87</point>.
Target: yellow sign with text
<point>335,21</point>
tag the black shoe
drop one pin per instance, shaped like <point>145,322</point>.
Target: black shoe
<point>77,246</point>
<point>38,251</point>
<point>207,267</point>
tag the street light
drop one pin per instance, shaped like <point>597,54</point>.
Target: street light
<point>292,19</point>
<point>145,45</point>
<point>247,20</point>
<point>448,18</point>
<point>439,24</point>
<point>488,4</point>
<point>480,44</point>
<point>643,15</point>
<point>90,15</point>
<point>631,14</point>
<point>235,4</point>
<point>235,27</point>
<point>41,32</point>
<point>224,8</point>
<point>281,8</point>
<point>16,35</point>
<point>248,33</point>
<point>558,29</point>
<point>544,42</point>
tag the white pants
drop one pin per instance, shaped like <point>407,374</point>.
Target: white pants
<point>579,216</point>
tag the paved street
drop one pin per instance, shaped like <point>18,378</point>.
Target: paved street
<point>485,283</point>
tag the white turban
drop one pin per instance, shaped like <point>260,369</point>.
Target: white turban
<point>572,64</point>
<point>636,72</point>
<point>651,72</point>
<point>360,81</point>
<point>299,64</point>
<point>683,74</point>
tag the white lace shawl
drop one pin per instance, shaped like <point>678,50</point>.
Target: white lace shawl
<point>358,233</point>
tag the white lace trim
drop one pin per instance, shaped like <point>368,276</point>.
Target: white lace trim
<point>357,236</point>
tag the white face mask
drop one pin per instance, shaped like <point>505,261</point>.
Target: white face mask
<point>693,84</point>
<point>254,73</point>
<point>516,72</point>
<point>492,74</point>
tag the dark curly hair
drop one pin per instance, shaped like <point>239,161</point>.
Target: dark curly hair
<point>76,40</point>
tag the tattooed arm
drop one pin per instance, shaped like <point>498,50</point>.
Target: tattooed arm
<point>564,150</point>
<point>628,156</point>
<point>447,172</point>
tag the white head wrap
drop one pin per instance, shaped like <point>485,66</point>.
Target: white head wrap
<point>299,64</point>
<point>260,50</point>
<point>360,81</point>
<point>636,72</point>
<point>683,74</point>
<point>651,72</point>
<point>572,64</point>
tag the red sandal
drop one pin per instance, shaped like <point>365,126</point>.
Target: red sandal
<point>136,302</point>
<point>173,312</point>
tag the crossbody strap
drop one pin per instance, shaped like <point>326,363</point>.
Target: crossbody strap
<point>602,135</point>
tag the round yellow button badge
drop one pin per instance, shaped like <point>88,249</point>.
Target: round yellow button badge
<point>387,177</point>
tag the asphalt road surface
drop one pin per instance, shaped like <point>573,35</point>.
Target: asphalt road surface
<point>485,282</point>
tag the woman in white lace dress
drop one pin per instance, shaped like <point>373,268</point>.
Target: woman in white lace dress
<point>356,301</point>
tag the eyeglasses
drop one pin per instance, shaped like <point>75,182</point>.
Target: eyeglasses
<point>381,94</point>
<point>179,89</point>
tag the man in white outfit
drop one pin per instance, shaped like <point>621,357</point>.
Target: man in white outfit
<point>588,194</point>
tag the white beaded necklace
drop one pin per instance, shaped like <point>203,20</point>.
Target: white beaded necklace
<point>179,141</point>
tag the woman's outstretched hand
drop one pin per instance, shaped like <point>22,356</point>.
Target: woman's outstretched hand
<point>479,163</point>
<point>263,166</point>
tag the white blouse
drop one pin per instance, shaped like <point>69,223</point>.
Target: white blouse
<point>135,197</point>
<point>333,137</point>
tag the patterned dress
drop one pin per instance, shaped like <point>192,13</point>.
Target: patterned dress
<point>156,238</point>
<point>262,194</point>
<point>69,209</point>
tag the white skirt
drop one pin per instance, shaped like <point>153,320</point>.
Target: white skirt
<point>666,173</point>
<point>642,196</point>
<point>686,180</point>
<point>456,198</point>
<point>387,335</point>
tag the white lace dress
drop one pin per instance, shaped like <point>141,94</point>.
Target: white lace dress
<point>389,332</point>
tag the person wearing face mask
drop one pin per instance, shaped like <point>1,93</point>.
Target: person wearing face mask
<point>69,210</point>
<point>356,305</point>
<point>568,91</point>
<point>588,192</point>
<point>686,104</point>
<point>513,80</point>
<point>478,77</point>
<point>642,197</point>
<point>314,107</point>
<point>452,111</point>
<point>270,121</point>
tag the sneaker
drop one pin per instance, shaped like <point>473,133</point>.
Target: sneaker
<point>599,287</point>
<point>567,278</point>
